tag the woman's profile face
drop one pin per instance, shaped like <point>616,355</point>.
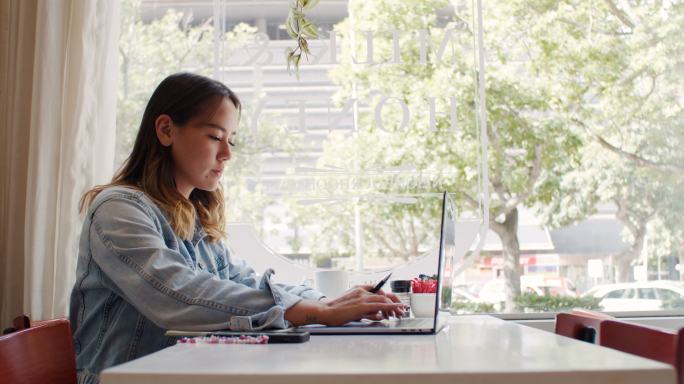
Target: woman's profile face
<point>201,148</point>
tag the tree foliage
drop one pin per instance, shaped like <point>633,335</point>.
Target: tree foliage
<point>584,105</point>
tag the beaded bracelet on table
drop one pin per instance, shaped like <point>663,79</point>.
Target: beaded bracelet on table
<point>243,339</point>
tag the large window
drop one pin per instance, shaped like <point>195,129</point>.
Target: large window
<point>341,166</point>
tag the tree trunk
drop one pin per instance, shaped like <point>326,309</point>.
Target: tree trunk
<point>508,233</point>
<point>622,263</point>
<point>624,259</point>
<point>636,223</point>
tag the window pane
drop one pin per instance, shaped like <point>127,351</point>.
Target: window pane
<point>336,168</point>
<point>343,164</point>
<point>585,113</point>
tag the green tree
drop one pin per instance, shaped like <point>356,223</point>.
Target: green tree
<point>583,105</point>
<point>530,146</point>
<point>619,72</point>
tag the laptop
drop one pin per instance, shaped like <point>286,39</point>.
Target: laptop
<point>428,325</point>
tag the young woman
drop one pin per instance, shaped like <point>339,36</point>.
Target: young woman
<point>150,255</point>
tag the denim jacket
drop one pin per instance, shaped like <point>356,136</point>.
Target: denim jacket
<point>136,278</point>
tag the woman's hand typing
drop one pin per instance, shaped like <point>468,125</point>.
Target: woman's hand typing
<point>355,304</point>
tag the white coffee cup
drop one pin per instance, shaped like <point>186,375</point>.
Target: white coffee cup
<point>331,282</point>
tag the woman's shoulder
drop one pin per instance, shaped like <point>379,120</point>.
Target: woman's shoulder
<point>118,191</point>
<point>118,210</point>
<point>113,196</point>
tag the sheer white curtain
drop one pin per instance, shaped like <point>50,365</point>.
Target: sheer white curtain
<point>17,39</point>
<point>66,134</point>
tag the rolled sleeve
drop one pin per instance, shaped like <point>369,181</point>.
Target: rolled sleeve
<point>301,291</point>
<point>274,317</point>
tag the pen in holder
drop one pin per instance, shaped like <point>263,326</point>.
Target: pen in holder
<point>402,288</point>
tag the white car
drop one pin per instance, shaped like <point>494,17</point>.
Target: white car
<point>637,296</point>
<point>461,295</point>
<point>494,291</point>
<point>458,294</point>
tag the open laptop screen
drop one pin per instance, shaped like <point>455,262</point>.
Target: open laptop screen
<point>447,249</point>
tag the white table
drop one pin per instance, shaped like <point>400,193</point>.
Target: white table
<point>474,349</point>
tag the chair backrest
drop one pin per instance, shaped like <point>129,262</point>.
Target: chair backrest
<point>679,360</point>
<point>651,343</point>
<point>581,324</point>
<point>590,313</point>
<point>42,353</point>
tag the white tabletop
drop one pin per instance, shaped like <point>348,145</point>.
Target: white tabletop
<point>474,349</point>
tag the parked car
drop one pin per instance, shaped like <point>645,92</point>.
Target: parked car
<point>458,293</point>
<point>465,302</point>
<point>638,296</point>
<point>493,291</point>
<point>473,288</point>
<point>550,285</point>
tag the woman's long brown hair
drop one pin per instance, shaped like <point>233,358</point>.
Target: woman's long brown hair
<point>149,167</point>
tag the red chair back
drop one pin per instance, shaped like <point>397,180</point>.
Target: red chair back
<point>652,343</point>
<point>42,353</point>
<point>582,325</point>
<point>679,359</point>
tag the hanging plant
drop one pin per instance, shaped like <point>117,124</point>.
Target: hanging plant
<point>300,28</point>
